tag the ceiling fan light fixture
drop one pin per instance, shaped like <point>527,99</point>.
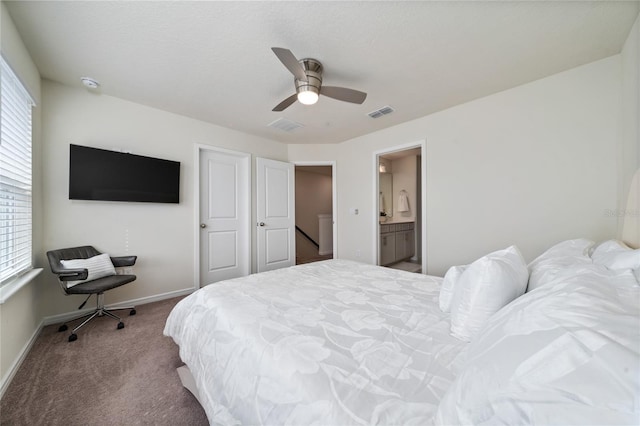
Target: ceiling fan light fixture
<point>307,97</point>
<point>307,74</point>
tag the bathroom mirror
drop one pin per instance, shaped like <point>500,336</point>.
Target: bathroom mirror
<point>386,195</point>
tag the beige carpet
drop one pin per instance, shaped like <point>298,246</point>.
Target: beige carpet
<point>107,376</point>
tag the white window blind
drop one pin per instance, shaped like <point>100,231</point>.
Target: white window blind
<point>15,175</point>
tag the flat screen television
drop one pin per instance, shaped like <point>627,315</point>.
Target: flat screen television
<point>99,174</point>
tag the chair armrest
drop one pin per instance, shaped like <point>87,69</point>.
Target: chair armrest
<point>124,261</point>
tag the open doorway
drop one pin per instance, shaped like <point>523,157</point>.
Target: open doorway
<point>400,212</point>
<point>314,207</point>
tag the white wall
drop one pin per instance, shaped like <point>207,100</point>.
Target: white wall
<point>19,316</point>
<point>162,235</point>
<point>530,166</point>
<point>629,152</point>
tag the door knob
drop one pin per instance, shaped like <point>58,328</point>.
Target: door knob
<point>261,224</point>
<point>203,225</point>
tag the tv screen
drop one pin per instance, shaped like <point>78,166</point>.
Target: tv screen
<point>99,174</point>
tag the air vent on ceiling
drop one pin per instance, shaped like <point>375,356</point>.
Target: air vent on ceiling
<point>380,112</point>
<point>285,125</point>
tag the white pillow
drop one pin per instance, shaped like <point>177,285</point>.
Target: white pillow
<point>487,285</point>
<point>549,265</point>
<point>574,248</point>
<point>448,286</point>
<point>97,266</point>
<point>616,255</point>
<point>567,355</point>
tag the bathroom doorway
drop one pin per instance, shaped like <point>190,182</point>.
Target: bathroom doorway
<point>400,207</point>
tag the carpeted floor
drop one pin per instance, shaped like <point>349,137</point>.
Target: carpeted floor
<point>107,376</point>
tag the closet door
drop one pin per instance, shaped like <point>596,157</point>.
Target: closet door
<point>225,215</point>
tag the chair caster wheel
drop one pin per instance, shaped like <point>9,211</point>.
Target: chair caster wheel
<point>120,325</point>
<point>63,327</point>
<point>132,312</point>
<point>73,337</point>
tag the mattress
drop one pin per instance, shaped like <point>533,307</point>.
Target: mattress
<point>333,342</point>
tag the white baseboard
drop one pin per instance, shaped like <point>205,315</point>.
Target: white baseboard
<point>158,297</point>
<point>13,369</point>
<point>56,319</point>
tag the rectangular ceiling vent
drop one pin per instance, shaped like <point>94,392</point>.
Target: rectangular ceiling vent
<point>380,112</point>
<point>285,125</point>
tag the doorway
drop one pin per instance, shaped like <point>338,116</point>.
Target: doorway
<point>400,214</point>
<point>315,207</point>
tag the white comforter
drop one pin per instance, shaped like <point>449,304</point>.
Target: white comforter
<point>335,342</point>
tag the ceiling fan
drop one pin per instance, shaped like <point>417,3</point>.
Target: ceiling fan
<point>308,81</point>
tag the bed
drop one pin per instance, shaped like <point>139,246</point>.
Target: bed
<point>340,342</point>
<point>333,342</point>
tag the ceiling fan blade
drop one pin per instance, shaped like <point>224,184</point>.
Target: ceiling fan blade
<point>343,94</point>
<point>286,103</point>
<point>289,60</point>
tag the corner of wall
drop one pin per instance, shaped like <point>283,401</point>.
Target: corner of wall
<point>629,135</point>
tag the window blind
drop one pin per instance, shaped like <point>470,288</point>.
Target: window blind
<point>15,175</point>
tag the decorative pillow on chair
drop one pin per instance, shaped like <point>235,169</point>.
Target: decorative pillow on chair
<point>487,285</point>
<point>97,266</point>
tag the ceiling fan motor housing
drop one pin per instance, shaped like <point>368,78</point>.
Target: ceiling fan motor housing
<point>313,71</point>
<point>308,81</point>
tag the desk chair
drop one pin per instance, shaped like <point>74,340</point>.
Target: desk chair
<point>73,280</point>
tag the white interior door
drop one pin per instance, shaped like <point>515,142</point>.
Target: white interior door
<point>225,215</point>
<point>275,213</point>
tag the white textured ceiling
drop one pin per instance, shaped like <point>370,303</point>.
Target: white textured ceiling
<point>212,60</point>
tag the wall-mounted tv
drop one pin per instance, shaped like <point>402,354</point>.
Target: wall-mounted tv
<point>99,174</point>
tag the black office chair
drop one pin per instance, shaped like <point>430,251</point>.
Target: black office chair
<point>97,286</point>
